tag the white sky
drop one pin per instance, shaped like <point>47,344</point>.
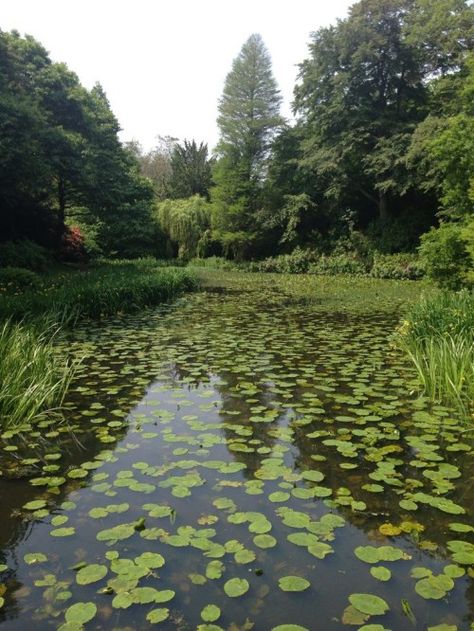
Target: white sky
<point>163,63</point>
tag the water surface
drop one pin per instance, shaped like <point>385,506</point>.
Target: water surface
<point>240,435</point>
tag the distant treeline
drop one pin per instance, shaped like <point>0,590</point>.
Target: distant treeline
<point>382,149</point>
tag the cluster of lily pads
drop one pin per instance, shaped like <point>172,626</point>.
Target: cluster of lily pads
<point>271,473</point>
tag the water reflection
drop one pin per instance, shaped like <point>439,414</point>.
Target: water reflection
<point>219,407</point>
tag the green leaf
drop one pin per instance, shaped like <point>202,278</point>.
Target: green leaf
<point>156,616</point>
<point>381,573</point>
<point>210,613</point>
<point>236,587</point>
<point>265,541</point>
<point>293,584</point>
<point>81,612</point>
<point>35,557</point>
<point>91,574</point>
<point>369,604</point>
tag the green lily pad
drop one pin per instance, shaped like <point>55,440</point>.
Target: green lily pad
<point>381,573</point>
<point>236,587</point>
<point>35,557</point>
<point>265,541</point>
<point>293,584</point>
<point>81,613</point>
<point>210,613</point>
<point>91,574</point>
<point>369,604</point>
<point>156,616</point>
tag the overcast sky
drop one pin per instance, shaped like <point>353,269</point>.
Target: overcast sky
<point>163,63</point>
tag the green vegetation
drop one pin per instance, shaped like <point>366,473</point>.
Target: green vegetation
<point>438,336</point>
<point>103,290</point>
<point>34,379</point>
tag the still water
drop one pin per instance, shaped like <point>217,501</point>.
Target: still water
<point>238,461</point>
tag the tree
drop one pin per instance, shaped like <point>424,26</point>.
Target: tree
<point>190,170</point>
<point>61,156</point>
<point>442,148</point>
<point>360,96</point>
<point>185,221</point>
<point>248,121</point>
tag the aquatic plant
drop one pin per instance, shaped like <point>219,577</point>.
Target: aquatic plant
<point>100,291</point>
<point>438,337</point>
<point>33,378</point>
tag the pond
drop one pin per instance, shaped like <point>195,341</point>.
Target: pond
<point>239,460</point>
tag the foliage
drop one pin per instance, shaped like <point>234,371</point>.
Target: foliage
<point>190,170</point>
<point>447,254</point>
<point>214,262</point>
<point>442,146</point>
<point>398,266</point>
<point>34,380</point>
<point>438,336</point>
<point>60,150</point>
<point>185,221</point>
<point>348,263</point>
<point>102,291</point>
<point>17,279</point>
<point>248,120</point>
<point>25,254</point>
<point>298,262</point>
<point>73,245</point>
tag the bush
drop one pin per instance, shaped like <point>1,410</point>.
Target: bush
<point>298,262</point>
<point>16,279</point>
<point>73,248</point>
<point>338,264</point>
<point>25,254</point>
<point>402,266</point>
<point>447,254</point>
<point>214,262</point>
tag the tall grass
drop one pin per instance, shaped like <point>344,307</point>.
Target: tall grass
<point>33,380</point>
<point>438,337</point>
<point>99,292</point>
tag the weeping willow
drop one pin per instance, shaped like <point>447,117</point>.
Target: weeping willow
<point>185,221</point>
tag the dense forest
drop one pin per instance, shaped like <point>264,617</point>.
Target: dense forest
<point>381,152</point>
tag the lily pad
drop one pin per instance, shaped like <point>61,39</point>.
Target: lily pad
<point>236,587</point>
<point>293,584</point>
<point>369,604</point>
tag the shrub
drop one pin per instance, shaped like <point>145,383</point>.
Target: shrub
<point>214,262</point>
<point>17,279</point>
<point>402,266</point>
<point>25,254</point>
<point>73,248</point>
<point>447,254</point>
<point>298,262</point>
<point>338,264</point>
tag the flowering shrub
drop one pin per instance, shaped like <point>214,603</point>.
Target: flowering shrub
<point>73,247</point>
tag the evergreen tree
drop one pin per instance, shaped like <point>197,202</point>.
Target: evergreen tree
<point>248,121</point>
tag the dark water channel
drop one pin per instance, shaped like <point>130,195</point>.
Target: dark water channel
<point>227,450</point>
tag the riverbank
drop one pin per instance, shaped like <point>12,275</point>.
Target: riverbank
<point>34,378</point>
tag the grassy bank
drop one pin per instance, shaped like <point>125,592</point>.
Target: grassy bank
<point>33,378</point>
<point>438,336</point>
<point>101,291</point>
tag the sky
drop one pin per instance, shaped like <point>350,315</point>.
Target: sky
<point>163,63</point>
